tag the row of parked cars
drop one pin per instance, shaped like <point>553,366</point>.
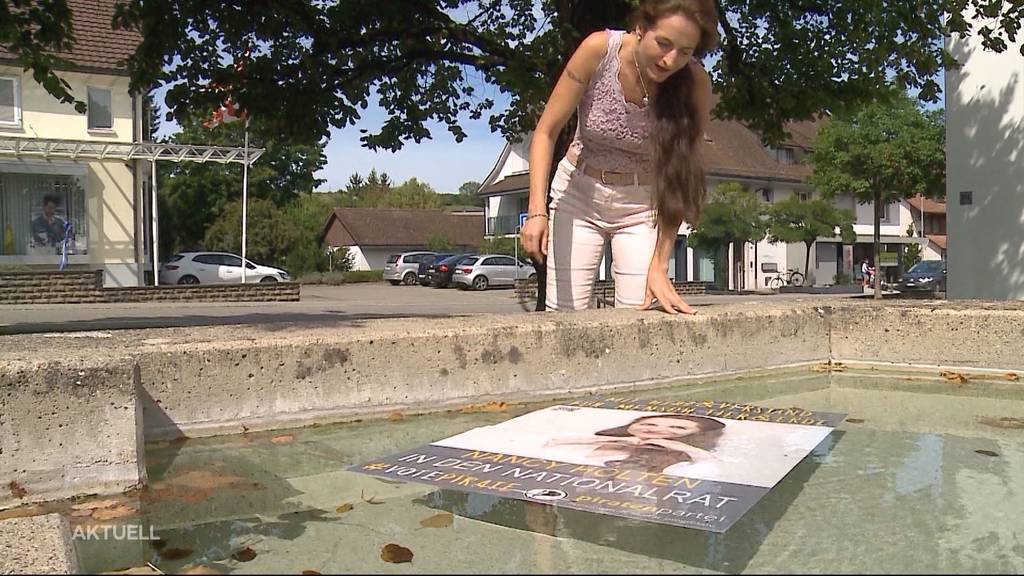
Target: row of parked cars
<point>476,271</point>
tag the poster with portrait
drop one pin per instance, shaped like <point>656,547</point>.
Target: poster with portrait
<point>684,463</point>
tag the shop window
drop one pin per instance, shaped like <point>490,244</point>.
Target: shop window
<point>42,215</point>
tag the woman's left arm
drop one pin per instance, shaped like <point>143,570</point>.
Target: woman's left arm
<point>658,284</point>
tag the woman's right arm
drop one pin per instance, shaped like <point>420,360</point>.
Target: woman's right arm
<point>561,104</point>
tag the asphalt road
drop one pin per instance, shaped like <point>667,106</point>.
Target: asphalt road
<point>322,305</point>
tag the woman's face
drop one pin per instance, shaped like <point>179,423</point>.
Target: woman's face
<point>667,47</point>
<point>663,428</point>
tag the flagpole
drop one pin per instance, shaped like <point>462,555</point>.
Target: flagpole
<point>245,196</point>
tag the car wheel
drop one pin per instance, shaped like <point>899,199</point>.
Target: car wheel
<point>268,279</point>
<point>480,282</point>
<point>409,279</point>
<point>394,282</point>
<point>188,279</point>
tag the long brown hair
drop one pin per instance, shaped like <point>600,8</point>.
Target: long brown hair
<point>679,188</point>
<point>655,459</point>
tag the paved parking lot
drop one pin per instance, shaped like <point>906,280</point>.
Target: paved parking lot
<point>320,305</point>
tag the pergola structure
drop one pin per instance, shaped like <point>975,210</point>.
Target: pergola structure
<point>49,148</point>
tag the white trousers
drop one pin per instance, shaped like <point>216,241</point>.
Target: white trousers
<point>584,214</point>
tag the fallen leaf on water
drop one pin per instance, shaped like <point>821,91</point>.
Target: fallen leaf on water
<point>1011,376</point>
<point>491,406</point>
<point>987,453</point>
<point>245,555</point>
<point>855,420</point>
<point>16,490</point>
<point>283,439</point>
<point>396,554</point>
<point>954,377</point>
<point>341,509</point>
<point>112,513</point>
<point>1004,422</point>
<point>370,500</point>
<point>442,520</point>
<point>175,553</point>
<point>395,417</point>
<point>310,572</point>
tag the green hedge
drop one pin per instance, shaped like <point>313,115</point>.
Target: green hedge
<point>337,278</point>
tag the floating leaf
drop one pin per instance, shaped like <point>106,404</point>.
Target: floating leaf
<point>1011,376</point>
<point>855,420</point>
<point>346,507</point>
<point>987,453</point>
<point>1004,422</point>
<point>245,555</point>
<point>16,490</point>
<point>283,439</point>
<point>370,500</point>
<point>954,377</point>
<point>442,520</point>
<point>310,572</point>
<point>112,513</point>
<point>396,554</point>
<point>395,417</point>
<point>491,406</point>
<point>175,553</point>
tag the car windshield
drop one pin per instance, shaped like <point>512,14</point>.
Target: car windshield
<point>927,267</point>
<point>453,259</point>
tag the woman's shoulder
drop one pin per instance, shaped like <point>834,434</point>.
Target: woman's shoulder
<point>596,44</point>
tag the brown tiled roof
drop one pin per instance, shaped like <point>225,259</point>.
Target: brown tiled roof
<point>509,184</point>
<point>401,227</point>
<point>97,45</point>
<point>938,239</point>
<point>930,206</point>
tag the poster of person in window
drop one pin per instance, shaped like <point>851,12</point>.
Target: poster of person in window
<point>48,228</point>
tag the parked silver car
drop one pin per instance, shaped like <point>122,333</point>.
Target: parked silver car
<point>215,268</point>
<point>403,268</point>
<point>492,270</point>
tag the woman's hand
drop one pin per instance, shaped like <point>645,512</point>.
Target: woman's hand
<point>696,454</point>
<point>535,237</point>
<point>660,288</point>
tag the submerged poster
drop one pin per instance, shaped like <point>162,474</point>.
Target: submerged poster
<point>684,463</point>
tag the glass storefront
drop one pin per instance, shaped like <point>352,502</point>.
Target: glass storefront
<point>43,214</point>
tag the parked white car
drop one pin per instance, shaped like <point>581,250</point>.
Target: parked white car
<point>215,268</point>
<point>491,270</point>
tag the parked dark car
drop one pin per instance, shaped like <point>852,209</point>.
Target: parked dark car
<point>925,276</point>
<point>421,274</point>
<point>439,274</point>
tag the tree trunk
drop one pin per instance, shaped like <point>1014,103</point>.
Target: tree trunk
<point>807,260</point>
<point>877,249</point>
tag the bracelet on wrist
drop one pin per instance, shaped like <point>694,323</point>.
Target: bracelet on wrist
<point>536,216</point>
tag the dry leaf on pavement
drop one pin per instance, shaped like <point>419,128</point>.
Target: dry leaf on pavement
<point>396,554</point>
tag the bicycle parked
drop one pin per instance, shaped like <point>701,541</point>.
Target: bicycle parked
<point>791,277</point>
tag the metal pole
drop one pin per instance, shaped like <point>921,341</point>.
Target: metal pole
<point>154,231</point>
<point>245,196</point>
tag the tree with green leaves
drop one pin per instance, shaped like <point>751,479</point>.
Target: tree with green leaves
<point>439,242</point>
<point>312,65</point>
<point>733,215</point>
<point>192,195</point>
<point>886,152</point>
<point>792,221</point>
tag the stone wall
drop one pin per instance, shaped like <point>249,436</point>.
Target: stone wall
<point>87,287</point>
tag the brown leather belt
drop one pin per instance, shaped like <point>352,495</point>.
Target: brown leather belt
<point>613,177</point>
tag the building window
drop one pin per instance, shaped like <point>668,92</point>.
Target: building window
<point>781,155</point>
<point>804,196</point>
<point>42,215</point>
<point>10,101</point>
<point>767,195</point>
<point>100,116</point>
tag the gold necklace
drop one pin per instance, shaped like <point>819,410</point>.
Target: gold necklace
<point>639,75</point>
